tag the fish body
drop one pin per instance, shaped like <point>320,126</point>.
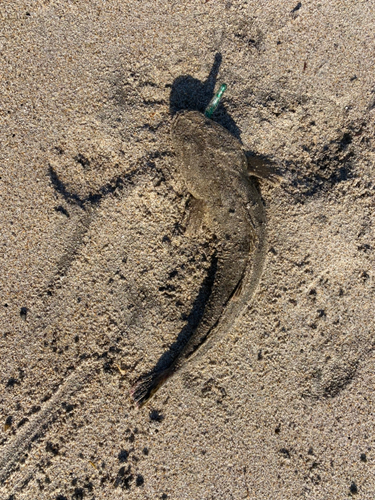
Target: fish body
<point>215,170</point>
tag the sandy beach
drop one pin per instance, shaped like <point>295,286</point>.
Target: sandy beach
<point>99,271</point>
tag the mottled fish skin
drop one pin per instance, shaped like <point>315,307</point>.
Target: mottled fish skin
<point>214,168</point>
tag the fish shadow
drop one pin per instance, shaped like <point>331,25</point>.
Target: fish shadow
<point>190,94</point>
<point>192,321</point>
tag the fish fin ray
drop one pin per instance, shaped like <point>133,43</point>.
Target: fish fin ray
<point>146,386</point>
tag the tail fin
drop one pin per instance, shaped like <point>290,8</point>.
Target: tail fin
<point>148,384</point>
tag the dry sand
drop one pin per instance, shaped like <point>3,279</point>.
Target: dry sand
<point>98,274</point>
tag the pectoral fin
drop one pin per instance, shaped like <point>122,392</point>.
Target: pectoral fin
<point>262,168</point>
<point>196,214</point>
